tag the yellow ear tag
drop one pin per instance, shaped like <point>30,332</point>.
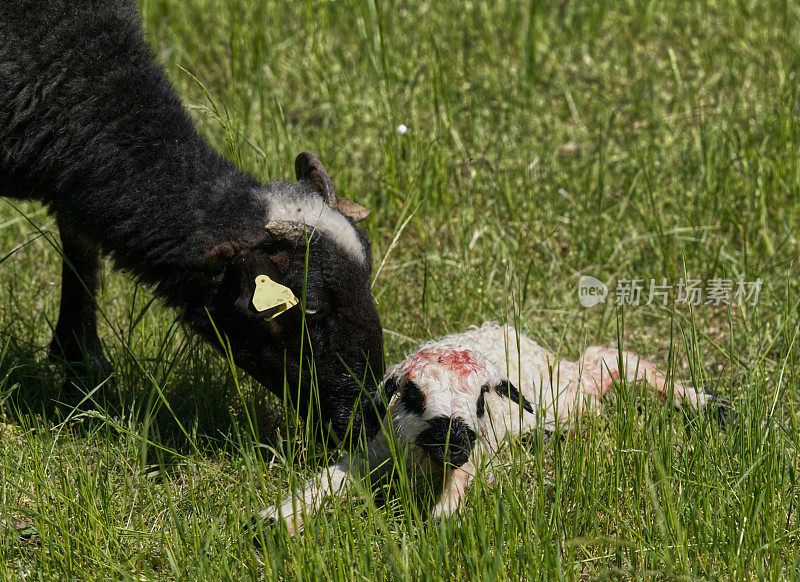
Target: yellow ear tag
<point>269,294</point>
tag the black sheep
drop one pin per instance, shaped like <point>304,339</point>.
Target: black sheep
<point>90,126</point>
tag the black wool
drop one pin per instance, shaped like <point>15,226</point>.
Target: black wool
<point>91,127</point>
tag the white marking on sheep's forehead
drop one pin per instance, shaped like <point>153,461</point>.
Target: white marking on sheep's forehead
<point>311,210</point>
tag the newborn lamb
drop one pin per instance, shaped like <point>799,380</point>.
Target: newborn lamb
<point>454,402</point>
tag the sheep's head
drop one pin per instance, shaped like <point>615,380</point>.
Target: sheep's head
<point>324,351</point>
<point>440,401</point>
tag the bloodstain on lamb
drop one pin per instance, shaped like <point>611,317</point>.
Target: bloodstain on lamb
<point>459,361</point>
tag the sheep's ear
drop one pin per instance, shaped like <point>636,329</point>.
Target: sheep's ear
<point>263,297</point>
<point>390,387</point>
<point>219,257</point>
<point>259,277</point>
<point>308,167</point>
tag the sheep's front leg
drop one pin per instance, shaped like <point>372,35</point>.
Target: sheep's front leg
<point>333,480</point>
<point>75,341</point>
<point>455,486</point>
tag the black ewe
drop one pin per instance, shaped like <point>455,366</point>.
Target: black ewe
<point>90,126</point>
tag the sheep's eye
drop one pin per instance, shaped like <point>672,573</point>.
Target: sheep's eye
<point>312,307</point>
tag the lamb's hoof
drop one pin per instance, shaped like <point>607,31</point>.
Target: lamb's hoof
<point>264,523</point>
<point>721,410</point>
<point>259,526</point>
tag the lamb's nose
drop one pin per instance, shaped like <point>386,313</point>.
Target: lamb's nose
<point>447,440</point>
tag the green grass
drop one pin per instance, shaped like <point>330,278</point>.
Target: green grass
<point>638,139</point>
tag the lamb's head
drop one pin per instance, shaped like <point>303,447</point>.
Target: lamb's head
<point>296,304</point>
<point>439,405</point>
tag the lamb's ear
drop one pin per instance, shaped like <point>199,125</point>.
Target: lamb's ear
<point>308,167</point>
<point>221,254</point>
<point>508,390</point>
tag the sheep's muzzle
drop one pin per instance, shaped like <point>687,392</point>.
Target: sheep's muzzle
<point>447,440</point>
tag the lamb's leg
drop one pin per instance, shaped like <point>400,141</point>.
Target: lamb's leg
<point>75,340</point>
<point>333,480</point>
<point>601,366</point>
<point>455,486</point>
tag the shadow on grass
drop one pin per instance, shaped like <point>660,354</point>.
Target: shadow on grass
<point>183,404</point>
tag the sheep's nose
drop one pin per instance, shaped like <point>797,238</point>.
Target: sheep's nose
<point>447,440</point>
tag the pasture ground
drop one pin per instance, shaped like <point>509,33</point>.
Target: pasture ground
<point>546,141</point>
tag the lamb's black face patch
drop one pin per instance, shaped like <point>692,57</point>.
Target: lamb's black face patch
<point>447,440</point>
<point>480,407</point>
<point>413,398</point>
<point>507,389</point>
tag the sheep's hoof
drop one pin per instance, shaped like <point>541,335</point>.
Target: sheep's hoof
<point>84,366</point>
<point>721,410</point>
<point>86,376</point>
